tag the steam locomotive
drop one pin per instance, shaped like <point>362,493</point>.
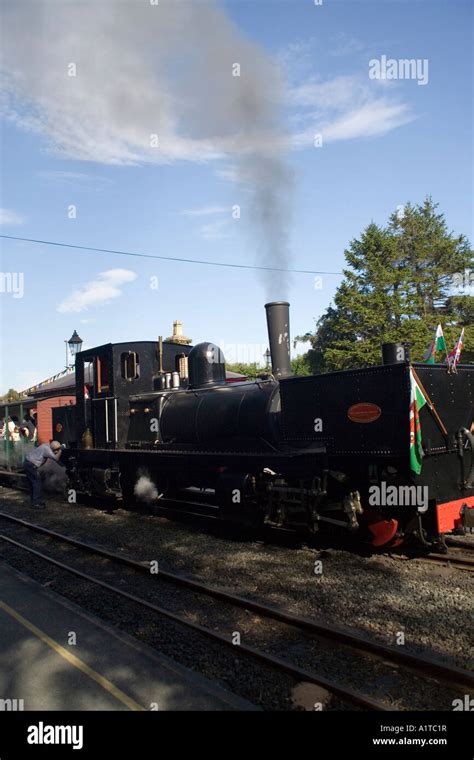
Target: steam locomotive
<point>322,452</point>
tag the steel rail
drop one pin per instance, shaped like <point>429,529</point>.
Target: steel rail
<point>463,561</point>
<point>276,663</point>
<point>428,665</point>
<point>161,506</point>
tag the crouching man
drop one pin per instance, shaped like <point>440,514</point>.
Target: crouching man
<point>32,464</point>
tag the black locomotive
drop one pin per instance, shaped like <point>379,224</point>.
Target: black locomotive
<point>329,451</point>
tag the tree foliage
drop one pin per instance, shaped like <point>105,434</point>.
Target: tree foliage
<point>300,366</point>
<point>402,280</point>
<point>10,395</point>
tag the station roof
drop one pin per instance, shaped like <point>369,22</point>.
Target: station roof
<point>66,383</point>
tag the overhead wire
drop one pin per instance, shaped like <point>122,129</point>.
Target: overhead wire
<point>168,258</point>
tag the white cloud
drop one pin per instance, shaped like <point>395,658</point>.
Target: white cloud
<point>293,51</point>
<point>238,175</point>
<point>343,44</point>
<point>140,70</point>
<point>213,231</point>
<point>345,108</point>
<point>10,217</point>
<point>229,173</point>
<point>76,179</point>
<point>131,82</point>
<point>155,84</point>
<point>370,120</point>
<point>166,71</point>
<point>338,92</point>
<point>99,291</point>
<point>206,211</point>
<point>297,57</point>
<point>62,175</point>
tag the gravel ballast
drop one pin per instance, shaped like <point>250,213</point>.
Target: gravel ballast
<point>385,596</point>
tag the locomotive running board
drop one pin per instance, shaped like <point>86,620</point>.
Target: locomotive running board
<point>293,453</point>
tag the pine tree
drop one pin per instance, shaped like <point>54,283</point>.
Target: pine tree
<point>398,286</point>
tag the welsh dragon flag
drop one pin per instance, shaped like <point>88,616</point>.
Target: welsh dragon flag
<point>417,402</point>
<point>437,344</point>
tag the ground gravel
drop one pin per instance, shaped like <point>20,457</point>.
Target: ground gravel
<point>431,605</point>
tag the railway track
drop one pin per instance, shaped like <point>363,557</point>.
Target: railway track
<point>357,643</point>
<point>189,508</point>
<point>13,479</point>
<point>462,558</point>
<point>458,547</point>
<point>459,556</point>
<point>175,507</point>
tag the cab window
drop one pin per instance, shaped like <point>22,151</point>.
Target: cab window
<point>130,365</point>
<point>102,367</point>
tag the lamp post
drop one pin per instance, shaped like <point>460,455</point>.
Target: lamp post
<point>268,358</point>
<point>74,344</point>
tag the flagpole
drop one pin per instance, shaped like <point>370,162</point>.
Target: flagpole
<point>458,350</point>
<point>456,353</point>
<point>431,406</point>
<point>446,349</point>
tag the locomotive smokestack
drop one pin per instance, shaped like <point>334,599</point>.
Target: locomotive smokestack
<point>395,353</point>
<point>278,322</point>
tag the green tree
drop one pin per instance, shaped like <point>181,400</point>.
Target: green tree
<point>249,370</point>
<point>301,366</point>
<point>398,286</point>
<point>460,310</point>
<point>10,395</point>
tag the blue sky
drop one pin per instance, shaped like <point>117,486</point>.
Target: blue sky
<point>78,141</point>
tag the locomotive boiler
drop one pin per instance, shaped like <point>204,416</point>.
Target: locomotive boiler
<point>347,451</point>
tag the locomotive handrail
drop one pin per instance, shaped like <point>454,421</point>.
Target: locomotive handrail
<point>106,399</point>
<point>468,482</point>
<point>106,421</point>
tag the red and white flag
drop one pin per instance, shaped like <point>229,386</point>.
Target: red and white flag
<point>454,356</point>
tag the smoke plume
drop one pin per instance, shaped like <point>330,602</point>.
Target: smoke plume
<point>54,477</point>
<point>131,82</point>
<point>145,490</point>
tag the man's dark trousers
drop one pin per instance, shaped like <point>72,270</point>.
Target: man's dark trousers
<point>34,480</point>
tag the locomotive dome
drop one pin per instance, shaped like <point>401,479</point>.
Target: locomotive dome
<point>206,365</point>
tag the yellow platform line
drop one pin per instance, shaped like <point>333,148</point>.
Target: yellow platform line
<point>72,659</point>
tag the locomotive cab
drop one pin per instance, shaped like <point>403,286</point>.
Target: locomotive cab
<point>107,376</point>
